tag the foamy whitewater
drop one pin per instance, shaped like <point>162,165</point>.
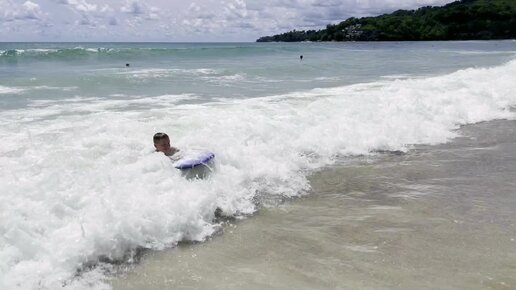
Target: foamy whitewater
<point>80,184</point>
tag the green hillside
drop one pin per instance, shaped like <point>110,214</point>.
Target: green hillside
<point>460,20</point>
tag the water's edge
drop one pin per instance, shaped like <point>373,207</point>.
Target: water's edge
<point>438,217</point>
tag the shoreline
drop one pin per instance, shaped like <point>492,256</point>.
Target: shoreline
<point>424,219</point>
<point>270,119</point>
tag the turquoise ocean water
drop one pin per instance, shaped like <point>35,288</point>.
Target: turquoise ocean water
<point>80,185</point>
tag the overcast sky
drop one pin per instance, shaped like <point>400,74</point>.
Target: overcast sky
<point>179,20</point>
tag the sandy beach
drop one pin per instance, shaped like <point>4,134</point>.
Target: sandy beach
<point>437,217</point>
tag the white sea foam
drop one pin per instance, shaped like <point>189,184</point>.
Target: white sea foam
<point>398,76</point>
<point>10,90</point>
<point>480,52</point>
<point>225,79</point>
<point>30,51</point>
<point>45,110</point>
<point>88,184</point>
<point>205,71</point>
<point>148,73</point>
<point>53,88</point>
<point>16,90</point>
<point>165,72</point>
<point>44,50</point>
<point>327,78</point>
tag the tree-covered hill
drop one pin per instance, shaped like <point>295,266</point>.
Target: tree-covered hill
<point>460,20</point>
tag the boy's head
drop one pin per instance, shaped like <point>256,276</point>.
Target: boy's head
<point>162,142</point>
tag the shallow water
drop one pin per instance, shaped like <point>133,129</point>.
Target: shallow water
<point>82,189</point>
<point>437,217</point>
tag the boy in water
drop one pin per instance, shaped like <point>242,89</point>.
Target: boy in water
<point>162,144</point>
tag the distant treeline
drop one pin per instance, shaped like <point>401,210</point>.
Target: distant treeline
<point>460,20</point>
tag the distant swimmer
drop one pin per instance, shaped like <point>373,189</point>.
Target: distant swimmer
<point>301,57</point>
<point>162,144</point>
<point>127,65</point>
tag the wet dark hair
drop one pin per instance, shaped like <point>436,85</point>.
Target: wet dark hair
<point>160,136</point>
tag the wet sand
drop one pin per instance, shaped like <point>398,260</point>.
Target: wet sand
<point>437,217</point>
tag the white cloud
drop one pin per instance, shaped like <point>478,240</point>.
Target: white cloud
<point>106,8</point>
<point>179,20</point>
<point>86,22</point>
<point>140,9</point>
<point>133,7</point>
<point>31,11</point>
<point>113,21</point>
<point>236,10</point>
<point>81,5</point>
<point>194,8</point>
<point>88,14</point>
<point>154,13</point>
<point>26,11</point>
